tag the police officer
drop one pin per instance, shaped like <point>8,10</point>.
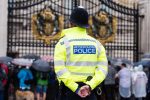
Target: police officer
<point>80,60</point>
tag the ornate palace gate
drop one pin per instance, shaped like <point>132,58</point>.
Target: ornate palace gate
<point>21,36</point>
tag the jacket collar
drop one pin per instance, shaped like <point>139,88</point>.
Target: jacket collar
<point>74,31</point>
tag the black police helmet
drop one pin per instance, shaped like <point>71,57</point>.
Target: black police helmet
<point>79,17</point>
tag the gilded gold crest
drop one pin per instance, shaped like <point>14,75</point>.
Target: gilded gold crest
<point>47,26</point>
<point>103,27</point>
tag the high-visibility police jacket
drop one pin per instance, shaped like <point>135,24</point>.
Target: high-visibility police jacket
<point>77,56</point>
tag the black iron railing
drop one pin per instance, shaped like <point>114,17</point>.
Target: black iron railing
<point>20,36</point>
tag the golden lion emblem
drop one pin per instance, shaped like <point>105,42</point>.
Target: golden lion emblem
<point>103,27</point>
<point>47,26</point>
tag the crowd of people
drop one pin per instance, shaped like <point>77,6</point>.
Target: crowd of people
<point>126,83</point>
<point>20,81</point>
<point>121,83</point>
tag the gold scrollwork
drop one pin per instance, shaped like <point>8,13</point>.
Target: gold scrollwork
<point>103,27</point>
<point>47,26</point>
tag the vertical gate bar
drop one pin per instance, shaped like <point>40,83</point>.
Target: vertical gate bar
<point>16,18</point>
<point>40,44</point>
<point>19,38</point>
<point>128,38</point>
<point>137,31</point>
<point>12,28</point>
<point>9,27</point>
<point>129,28</point>
<point>34,40</point>
<point>121,33</point>
<point>43,45</point>
<point>134,19</point>
<point>88,5</point>
<point>13,20</point>
<point>18,31</point>
<point>69,2</point>
<point>109,12</point>
<point>75,3</point>
<point>124,37</point>
<point>114,33</point>
<point>24,32</point>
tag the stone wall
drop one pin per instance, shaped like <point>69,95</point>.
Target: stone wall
<point>3,27</point>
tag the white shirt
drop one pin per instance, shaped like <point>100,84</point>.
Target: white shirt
<point>124,82</point>
<point>139,83</point>
<point>124,77</point>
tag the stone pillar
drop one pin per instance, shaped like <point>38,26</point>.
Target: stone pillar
<point>144,11</point>
<point>3,27</point>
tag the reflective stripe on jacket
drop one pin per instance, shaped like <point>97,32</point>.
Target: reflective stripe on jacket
<point>77,56</point>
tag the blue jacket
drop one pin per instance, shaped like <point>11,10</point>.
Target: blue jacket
<point>23,75</point>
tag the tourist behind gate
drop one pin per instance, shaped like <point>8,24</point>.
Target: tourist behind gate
<point>124,76</point>
<point>109,83</point>
<point>139,82</point>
